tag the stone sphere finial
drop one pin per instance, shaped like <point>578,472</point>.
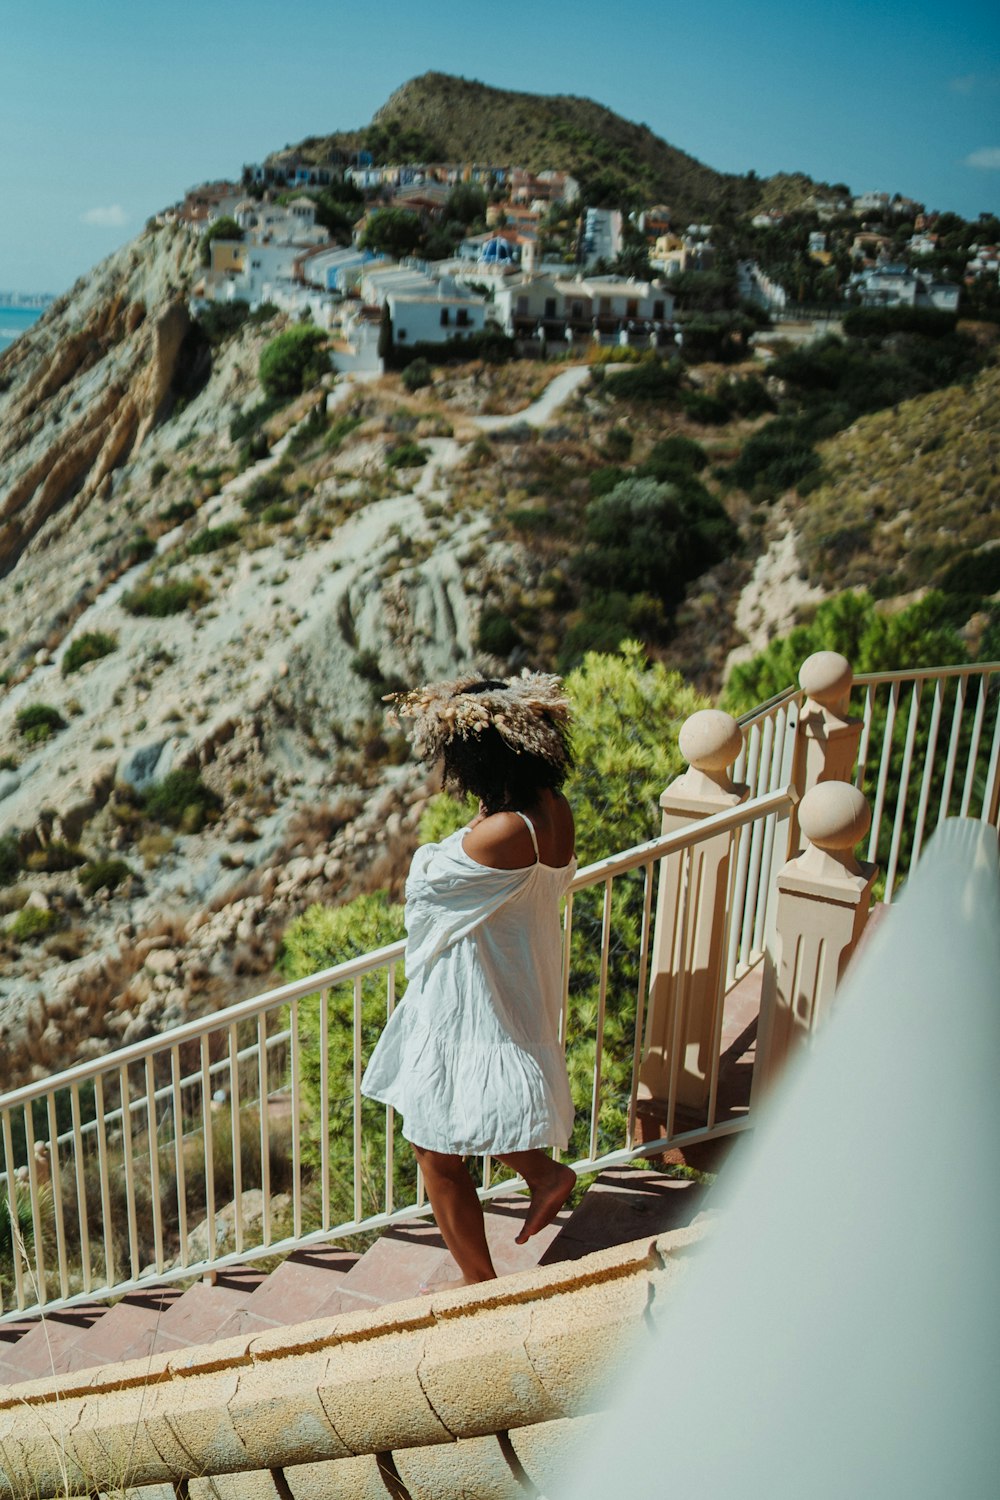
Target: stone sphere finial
<point>826,677</point>
<point>710,740</point>
<point>834,816</point>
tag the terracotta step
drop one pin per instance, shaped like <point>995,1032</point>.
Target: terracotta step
<point>128,1330</point>
<point>47,1345</point>
<point>626,1203</point>
<point>200,1314</point>
<point>305,1286</point>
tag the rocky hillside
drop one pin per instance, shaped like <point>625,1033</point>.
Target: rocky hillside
<point>440,117</point>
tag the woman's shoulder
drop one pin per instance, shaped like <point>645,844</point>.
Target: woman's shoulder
<point>501,841</point>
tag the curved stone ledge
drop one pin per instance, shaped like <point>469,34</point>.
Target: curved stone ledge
<point>450,1372</point>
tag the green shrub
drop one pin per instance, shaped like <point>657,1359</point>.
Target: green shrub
<point>618,444</point>
<point>37,721</point>
<point>214,538</point>
<point>708,411</point>
<point>159,471</point>
<point>220,320</point>
<point>405,456</point>
<point>170,598</point>
<point>139,548</point>
<point>56,856</point>
<point>264,492</point>
<point>653,538</point>
<point>103,874</point>
<point>417,375</point>
<point>293,361</point>
<point>673,453</point>
<point>253,418</point>
<point>182,800</point>
<point>10,859</point>
<point>181,510</point>
<point>275,514</point>
<point>32,924</point>
<point>774,459</point>
<point>496,634</point>
<point>650,381</point>
<point>90,646</point>
<point>877,322</point>
<point>341,428</point>
<point>748,396</point>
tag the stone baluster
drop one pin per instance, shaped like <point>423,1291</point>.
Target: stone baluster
<point>823,901</point>
<point>826,740</point>
<point>688,947</point>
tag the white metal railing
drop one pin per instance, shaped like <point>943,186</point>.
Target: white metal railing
<point>930,749</point>
<point>152,1150</point>
<point>113,1163</point>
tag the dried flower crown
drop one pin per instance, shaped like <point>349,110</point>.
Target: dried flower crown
<point>530,712</point>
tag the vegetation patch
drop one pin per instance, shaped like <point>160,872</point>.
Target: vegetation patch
<point>214,538</point>
<point>90,646</point>
<point>172,597</point>
<point>182,800</point>
<point>406,456</point>
<point>103,875</point>
<point>293,361</point>
<point>31,924</point>
<point>37,722</point>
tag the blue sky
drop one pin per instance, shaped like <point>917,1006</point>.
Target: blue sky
<point>109,111</point>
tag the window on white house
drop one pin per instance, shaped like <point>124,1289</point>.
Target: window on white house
<point>462,317</point>
<point>657,309</point>
<point>444,317</point>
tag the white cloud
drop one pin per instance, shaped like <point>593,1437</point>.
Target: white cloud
<point>112,217</point>
<point>975,83</point>
<point>988,159</point>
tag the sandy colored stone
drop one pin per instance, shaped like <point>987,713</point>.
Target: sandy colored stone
<point>279,1416</point>
<point>472,1466</point>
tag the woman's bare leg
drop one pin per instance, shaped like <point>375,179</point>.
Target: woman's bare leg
<point>550,1182</point>
<point>458,1212</point>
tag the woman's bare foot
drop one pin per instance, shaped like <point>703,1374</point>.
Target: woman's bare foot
<point>547,1198</point>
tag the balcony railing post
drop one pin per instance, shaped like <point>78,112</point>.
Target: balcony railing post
<point>823,902</point>
<point>689,938</point>
<point>826,738</point>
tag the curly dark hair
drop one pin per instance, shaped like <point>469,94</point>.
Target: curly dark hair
<point>501,777</point>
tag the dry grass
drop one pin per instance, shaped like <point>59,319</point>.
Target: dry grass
<point>908,490</point>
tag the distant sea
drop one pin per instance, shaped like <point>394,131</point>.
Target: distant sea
<point>14,321</point>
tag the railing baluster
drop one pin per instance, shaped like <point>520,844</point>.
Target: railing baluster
<point>602,999</point>
<point>764,884</point>
<point>12,1200</point>
<point>681,968</point>
<point>79,1173</point>
<point>901,794</point>
<point>645,937</point>
<point>991,792</point>
<point>756,851</point>
<point>104,1169</point>
<point>324,1104</point>
<point>390,1113</point>
<point>356,1069</point>
<point>734,958</point>
<point>235,1118</point>
<point>883,770</point>
<point>977,730</point>
<point>55,1178</point>
<point>154,1163</point>
<point>208,1147</point>
<point>179,1173</point>
<point>720,1006</point>
<point>868,715</point>
<point>265,1128</point>
<point>38,1245</point>
<point>126,1121</point>
<point>956,729</point>
<point>566,962</point>
<point>928,772</point>
<point>293,1012</point>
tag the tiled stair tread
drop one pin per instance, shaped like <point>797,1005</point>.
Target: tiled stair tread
<point>305,1286</point>
<point>128,1330</point>
<point>206,1307</point>
<point>50,1346</point>
<point>626,1204</point>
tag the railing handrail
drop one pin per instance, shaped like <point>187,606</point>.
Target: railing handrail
<point>924,674</point>
<point>390,953</point>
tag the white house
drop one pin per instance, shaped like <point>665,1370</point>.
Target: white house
<point>896,285</point>
<point>435,317</point>
<point>605,306</point>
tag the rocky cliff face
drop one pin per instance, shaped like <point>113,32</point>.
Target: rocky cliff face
<point>115,467</point>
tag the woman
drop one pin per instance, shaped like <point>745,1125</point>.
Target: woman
<point>472,1058</point>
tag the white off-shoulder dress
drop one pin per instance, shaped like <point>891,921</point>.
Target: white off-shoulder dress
<point>471,1057</point>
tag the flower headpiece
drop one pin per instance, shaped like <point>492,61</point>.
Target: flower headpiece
<point>530,713</point>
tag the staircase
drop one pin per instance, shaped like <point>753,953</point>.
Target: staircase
<point>622,1205</point>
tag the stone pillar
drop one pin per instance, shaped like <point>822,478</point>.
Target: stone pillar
<point>688,949</point>
<point>823,901</point>
<point>826,739</point>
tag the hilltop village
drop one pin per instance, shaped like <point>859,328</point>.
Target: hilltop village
<point>418,253</point>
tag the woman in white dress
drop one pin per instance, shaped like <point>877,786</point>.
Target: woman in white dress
<point>472,1059</point>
